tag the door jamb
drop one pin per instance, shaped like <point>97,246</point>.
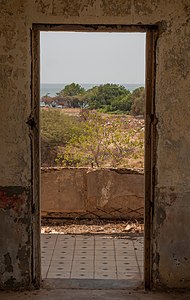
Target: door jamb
<point>150,154</point>
<point>150,135</point>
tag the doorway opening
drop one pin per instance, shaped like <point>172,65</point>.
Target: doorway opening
<point>92,164</point>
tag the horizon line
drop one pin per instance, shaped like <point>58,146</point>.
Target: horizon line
<point>92,82</point>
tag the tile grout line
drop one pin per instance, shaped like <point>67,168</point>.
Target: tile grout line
<point>94,258</point>
<point>96,243</point>
<point>141,274</point>
<point>136,259</point>
<point>115,259</point>
<point>73,258</point>
<point>52,255</point>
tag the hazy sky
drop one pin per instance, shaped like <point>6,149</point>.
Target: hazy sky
<point>92,57</point>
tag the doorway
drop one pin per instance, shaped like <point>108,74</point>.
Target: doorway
<point>149,133</point>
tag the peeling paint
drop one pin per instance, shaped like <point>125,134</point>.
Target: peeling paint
<point>172,76</point>
<point>161,215</point>
<point>10,283</point>
<point>105,192</point>
<point>69,8</point>
<point>143,8</point>
<point>23,256</point>
<point>43,6</point>
<point>8,263</point>
<point>12,198</point>
<point>116,8</point>
<point>173,198</point>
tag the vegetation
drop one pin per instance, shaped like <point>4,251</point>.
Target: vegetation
<point>57,130</point>
<point>102,143</point>
<point>72,89</point>
<point>110,98</point>
<point>138,102</point>
<point>91,139</point>
<point>102,135</point>
<point>102,96</point>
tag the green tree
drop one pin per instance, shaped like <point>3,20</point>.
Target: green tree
<point>121,103</point>
<point>73,95</point>
<point>72,89</point>
<point>103,95</point>
<point>57,129</point>
<point>138,101</point>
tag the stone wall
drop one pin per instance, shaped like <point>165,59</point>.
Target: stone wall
<point>91,193</point>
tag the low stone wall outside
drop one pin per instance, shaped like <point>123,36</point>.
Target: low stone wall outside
<point>92,193</point>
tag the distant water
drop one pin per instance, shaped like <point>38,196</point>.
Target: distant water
<point>53,88</point>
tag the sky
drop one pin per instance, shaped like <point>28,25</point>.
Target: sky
<point>81,57</point>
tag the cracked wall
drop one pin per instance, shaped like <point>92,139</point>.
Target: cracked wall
<point>171,237</point>
<point>89,193</point>
<point>15,237</point>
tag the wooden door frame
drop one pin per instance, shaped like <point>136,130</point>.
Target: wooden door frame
<point>150,134</point>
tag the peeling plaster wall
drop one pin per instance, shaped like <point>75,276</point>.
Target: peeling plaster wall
<point>172,206</point>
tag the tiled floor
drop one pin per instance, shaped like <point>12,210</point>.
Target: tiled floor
<point>92,257</point>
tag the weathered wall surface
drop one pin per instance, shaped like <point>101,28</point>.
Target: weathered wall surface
<point>171,261</point>
<point>88,193</point>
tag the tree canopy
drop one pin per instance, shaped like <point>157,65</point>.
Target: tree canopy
<point>72,89</point>
<point>138,102</point>
<point>113,98</point>
<point>103,95</point>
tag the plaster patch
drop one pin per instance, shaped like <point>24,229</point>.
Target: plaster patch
<point>105,192</point>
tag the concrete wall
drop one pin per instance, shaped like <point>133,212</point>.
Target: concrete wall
<point>88,193</point>
<point>171,222</point>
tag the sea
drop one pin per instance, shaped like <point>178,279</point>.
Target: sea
<point>52,88</point>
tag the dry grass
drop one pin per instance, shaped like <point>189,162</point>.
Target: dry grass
<point>96,226</point>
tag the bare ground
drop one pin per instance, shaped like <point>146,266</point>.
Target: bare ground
<point>99,226</point>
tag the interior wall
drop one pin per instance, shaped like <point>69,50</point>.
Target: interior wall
<point>171,237</point>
